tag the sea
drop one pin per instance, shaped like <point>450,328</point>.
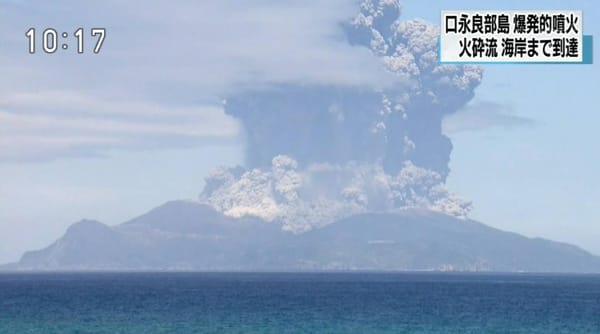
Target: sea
<point>333,302</point>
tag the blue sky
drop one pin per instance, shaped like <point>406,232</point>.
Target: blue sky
<point>538,179</point>
<point>532,168</point>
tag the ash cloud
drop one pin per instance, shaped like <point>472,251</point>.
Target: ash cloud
<point>302,199</point>
<point>316,153</point>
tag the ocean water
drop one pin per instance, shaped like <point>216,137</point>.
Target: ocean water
<point>298,303</point>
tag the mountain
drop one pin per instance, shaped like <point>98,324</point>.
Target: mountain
<point>422,240</point>
<point>184,235</point>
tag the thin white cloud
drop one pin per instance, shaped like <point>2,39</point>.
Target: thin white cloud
<point>163,70</point>
<point>481,115</point>
<point>57,124</point>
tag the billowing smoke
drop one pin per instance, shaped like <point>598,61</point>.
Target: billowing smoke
<point>317,153</point>
<point>305,198</point>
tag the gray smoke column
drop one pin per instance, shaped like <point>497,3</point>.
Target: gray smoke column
<point>316,153</point>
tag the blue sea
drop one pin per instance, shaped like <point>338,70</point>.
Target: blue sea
<point>298,303</point>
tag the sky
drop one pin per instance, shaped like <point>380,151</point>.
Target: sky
<point>112,135</point>
<point>539,178</point>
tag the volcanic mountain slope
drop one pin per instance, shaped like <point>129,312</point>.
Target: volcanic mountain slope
<point>183,235</point>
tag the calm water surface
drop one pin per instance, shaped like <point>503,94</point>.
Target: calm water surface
<point>298,303</point>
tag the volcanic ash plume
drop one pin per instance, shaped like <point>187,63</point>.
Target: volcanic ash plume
<point>318,153</point>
